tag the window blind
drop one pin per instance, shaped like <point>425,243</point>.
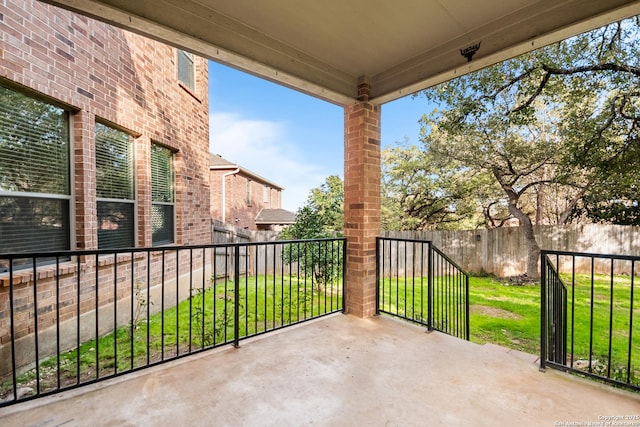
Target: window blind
<point>115,182</point>
<point>186,69</point>
<point>34,174</point>
<point>162,195</point>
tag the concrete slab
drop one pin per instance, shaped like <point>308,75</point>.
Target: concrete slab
<point>339,370</point>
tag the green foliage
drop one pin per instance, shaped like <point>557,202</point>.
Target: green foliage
<point>418,193</point>
<point>554,123</point>
<point>549,137</point>
<point>321,260</point>
<point>309,225</point>
<point>321,218</point>
<point>328,202</point>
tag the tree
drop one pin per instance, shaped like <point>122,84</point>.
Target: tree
<point>556,119</point>
<point>320,218</point>
<point>328,202</point>
<point>419,195</point>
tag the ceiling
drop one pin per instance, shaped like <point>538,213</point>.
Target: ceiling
<point>325,48</point>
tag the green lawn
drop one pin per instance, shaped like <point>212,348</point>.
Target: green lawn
<point>204,320</point>
<point>509,315</point>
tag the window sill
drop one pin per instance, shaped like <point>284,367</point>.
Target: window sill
<point>108,259</point>
<point>25,275</point>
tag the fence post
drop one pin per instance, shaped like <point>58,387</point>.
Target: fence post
<point>543,313</point>
<point>236,297</point>
<point>430,286</point>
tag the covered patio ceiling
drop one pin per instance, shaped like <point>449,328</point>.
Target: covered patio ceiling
<point>325,48</point>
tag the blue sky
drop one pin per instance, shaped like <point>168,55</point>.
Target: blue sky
<point>290,138</point>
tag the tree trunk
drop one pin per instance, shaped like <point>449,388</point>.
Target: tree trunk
<point>533,250</point>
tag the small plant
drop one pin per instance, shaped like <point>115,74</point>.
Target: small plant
<point>140,303</point>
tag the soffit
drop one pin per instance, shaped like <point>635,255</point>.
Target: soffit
<point>325,48</point>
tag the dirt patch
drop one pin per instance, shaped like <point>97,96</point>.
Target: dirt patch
<point>493,312</point>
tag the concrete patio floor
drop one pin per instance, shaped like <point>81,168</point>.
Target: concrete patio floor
<point>338,371</point>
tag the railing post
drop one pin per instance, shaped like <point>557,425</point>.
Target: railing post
<point>377,276</point>
<point>543,313</point>
<point>430,287</point>
<point>236,297</point>
<point>344,276</point>
<point>466,303</point>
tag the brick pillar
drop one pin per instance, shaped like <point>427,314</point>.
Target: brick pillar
<point>143,190</point>
<point>86,213</point>
<point>361,201</point>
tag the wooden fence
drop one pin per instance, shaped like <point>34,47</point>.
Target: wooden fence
<point>251,260</point>
<point>502,251</point>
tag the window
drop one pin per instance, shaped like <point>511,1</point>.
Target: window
<point>162,195</point>
<point>114,188</point>
<point>186,70</point>
<point>265,194</point>
<point>248,192</point>
<point>34,175</point>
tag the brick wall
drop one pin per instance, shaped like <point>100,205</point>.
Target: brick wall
<point>97,71</point>
<point>101,72</point>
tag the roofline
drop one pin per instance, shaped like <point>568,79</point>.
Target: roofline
<point>273,222</point>
<point>246,172</point>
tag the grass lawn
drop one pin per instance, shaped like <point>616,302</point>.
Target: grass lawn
<point>504,315</point>
<point>205,320</point>
<point>509,315</point>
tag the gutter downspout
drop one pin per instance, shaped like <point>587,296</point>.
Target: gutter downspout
<point>224,193</point>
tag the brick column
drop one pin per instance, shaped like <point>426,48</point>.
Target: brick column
<point>143,190</point>
<point>361,201</point>
<point>86,225</point>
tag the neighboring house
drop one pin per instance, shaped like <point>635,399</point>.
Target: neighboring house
<point>104,144</point>
<point>244,198</point>
<point>274,219</point>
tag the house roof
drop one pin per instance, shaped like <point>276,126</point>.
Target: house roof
<point>326,48</point>
<point>217,162</point>
<point>275,216</point>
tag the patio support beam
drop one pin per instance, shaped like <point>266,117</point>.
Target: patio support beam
<point>361,200</point>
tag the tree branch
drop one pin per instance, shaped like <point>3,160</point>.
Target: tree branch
<point>550,71</point>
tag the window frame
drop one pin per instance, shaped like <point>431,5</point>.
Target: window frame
<point>171,203</point>
<point>67,213</point>
<point>132,202</point>
<point>190,59</point>
<point>248,195</point>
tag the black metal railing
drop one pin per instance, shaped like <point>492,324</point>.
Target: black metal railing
<point>554,298</point>
<point>589,305</point>
<point>85,316</point>
<point>418,282</point>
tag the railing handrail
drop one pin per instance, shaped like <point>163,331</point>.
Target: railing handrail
<point>590,255</point>
<point>398,239</point>
<point>82,252</point>
<point>449,260</point>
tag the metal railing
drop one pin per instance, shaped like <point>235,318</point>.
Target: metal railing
<point>85,316</point>
<point>419,283</point>
<point>587,320</point>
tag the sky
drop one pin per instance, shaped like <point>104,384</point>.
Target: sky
<point>287,137</point>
